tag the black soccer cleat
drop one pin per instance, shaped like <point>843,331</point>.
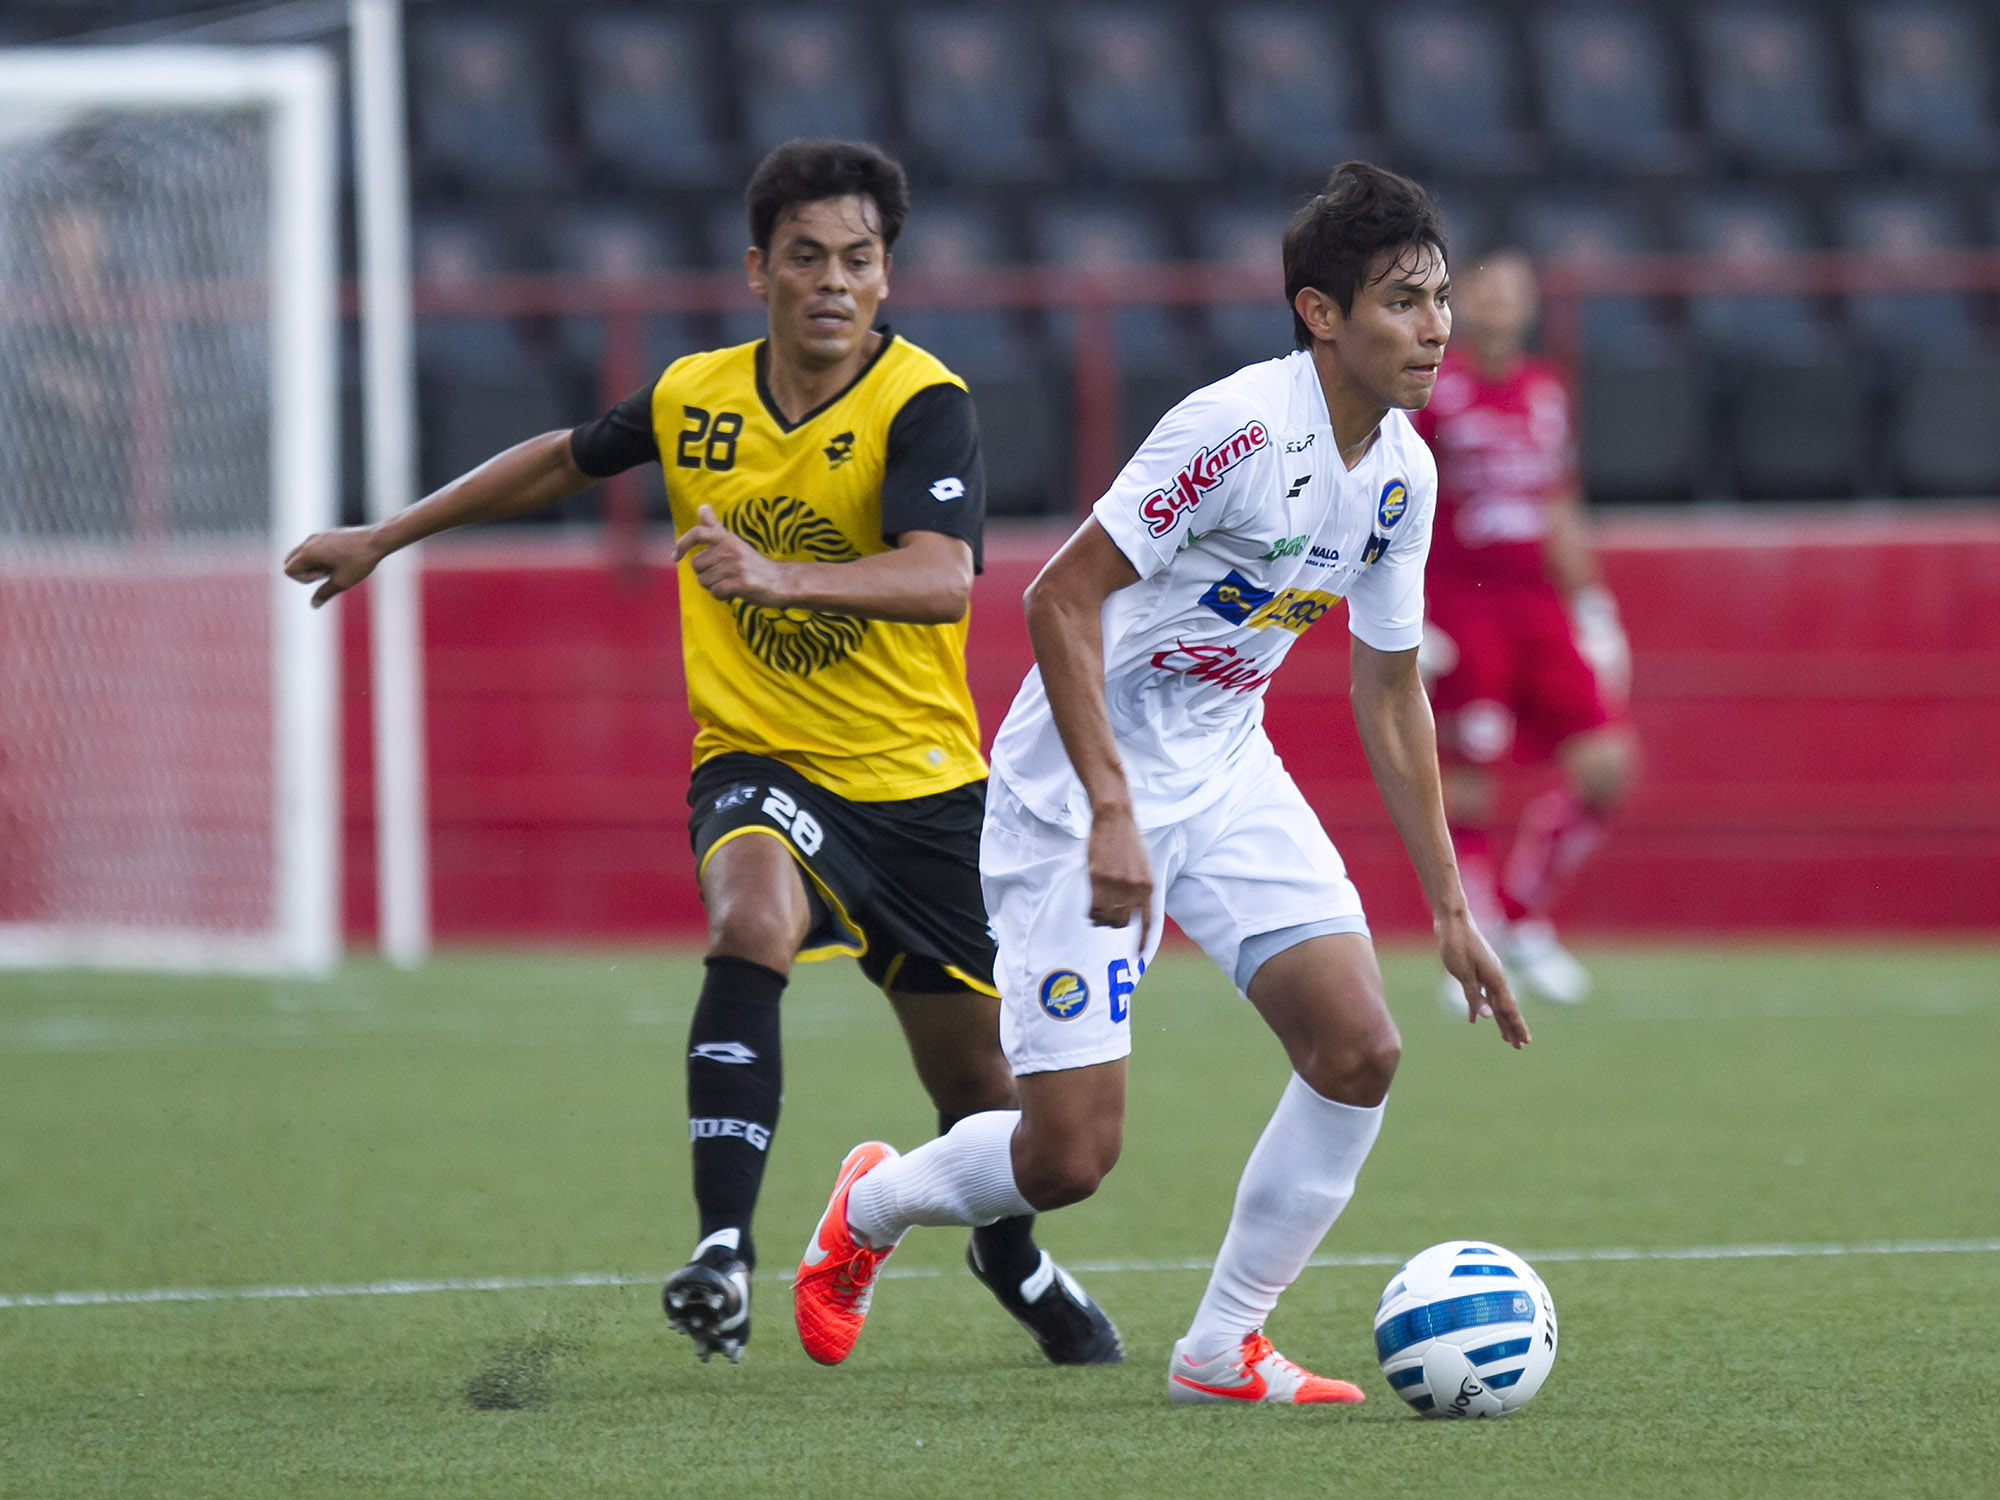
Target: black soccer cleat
<point>708,1299</point>
<point>1071,1328</point>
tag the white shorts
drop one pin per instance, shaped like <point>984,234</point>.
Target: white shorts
<point>1246,879</point>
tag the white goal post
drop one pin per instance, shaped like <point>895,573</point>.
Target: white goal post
<point>169,792</point>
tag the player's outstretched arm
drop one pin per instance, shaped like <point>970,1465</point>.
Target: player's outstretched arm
<point>1065,610</point>
<point>526,477</point>
<point>926,580</point>
<point>1393,717</point>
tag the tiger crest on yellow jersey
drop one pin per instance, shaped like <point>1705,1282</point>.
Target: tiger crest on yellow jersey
<point>873,710</point>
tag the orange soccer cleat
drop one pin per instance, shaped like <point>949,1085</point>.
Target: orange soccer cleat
<point>1255,1372</point>
<point>836,1279</point>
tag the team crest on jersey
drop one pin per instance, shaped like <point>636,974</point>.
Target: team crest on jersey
<point>1064,994</point>
<point>1200,474</point>
<point>1395,500</point>
<point>1235,597</point>
<point>796,641</point>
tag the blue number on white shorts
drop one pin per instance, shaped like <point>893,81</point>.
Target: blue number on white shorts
<point>1118,980</point>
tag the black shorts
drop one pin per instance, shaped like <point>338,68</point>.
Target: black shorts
<point>896,884</point>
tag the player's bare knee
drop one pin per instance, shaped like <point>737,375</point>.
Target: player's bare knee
<point>1056,1173</point>
<point>761,934</point>
<point>1358,1070</point>
<point>971,1093</point>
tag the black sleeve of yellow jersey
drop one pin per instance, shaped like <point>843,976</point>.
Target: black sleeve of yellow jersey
<point>621,439</point>
<point>933,479</point>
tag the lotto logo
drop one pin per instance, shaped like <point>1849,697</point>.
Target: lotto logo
<point>1202,473</point>
<point>947,490</point>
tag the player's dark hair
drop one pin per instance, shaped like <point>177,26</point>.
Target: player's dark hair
<point>1332,242</point>
<point>813,171</point>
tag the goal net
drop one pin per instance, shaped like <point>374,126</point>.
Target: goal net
<point>167,727</point>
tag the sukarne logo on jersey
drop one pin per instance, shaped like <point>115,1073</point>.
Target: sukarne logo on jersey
<point>1202,473</point>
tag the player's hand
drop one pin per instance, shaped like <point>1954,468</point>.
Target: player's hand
<point>1121,874</point>
<point>727,566</point>
<point>1600,640</point>
<point>1470,959</point>
<point>342,558</point>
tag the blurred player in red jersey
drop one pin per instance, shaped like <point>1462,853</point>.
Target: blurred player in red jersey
<point>1523,649</point>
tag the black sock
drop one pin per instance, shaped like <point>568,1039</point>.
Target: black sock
<point>735,1082</point>
<point>1006,1248</point>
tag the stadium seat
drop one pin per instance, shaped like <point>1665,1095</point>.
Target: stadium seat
<point>1248,236</point>
<point>1798,428</point>
<point>1912,223</point>
<point>1021,418</point>
<point>647,99</point>
<point>1640,421</point>
<point>1607,89</point>
<point>974,90</point>
<point>1945,440</point>
<point>725,236</point>
<point>1131,92</point>
<point>1638,396</point>
<point>1925,78</point>
<point>481,98</point>
<point>481,386</point>
<point>1289,91</point>
<point>1767,86</point>
<point>1156,358</point>
<point>1447,83</point>
<point>1933,369</point>
<point>1747,228</point>
<point>805,73</point>
<point>613,243</point>
<point>947,238</point>
<point>1791,399</point>
<point>1556,227</point>
<point>448,249</point>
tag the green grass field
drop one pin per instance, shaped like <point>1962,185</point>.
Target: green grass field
<point>518,1116</point>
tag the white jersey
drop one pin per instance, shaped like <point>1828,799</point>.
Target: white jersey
<point>1245,529</point>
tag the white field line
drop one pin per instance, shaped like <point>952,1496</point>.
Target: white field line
<point>914,1273</point>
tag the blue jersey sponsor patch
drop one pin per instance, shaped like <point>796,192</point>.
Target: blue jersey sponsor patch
<point>1235,597</point>
<point>1064,994</point>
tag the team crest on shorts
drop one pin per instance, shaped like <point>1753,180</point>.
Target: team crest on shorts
<point>1064,994</point>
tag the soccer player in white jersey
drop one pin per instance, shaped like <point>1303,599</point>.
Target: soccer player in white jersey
<point>1132,779</point>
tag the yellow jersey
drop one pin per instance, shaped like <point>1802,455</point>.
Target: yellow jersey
<point>871,710</point>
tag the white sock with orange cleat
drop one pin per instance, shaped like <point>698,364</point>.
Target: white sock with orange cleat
<point>1298,1179</point>
<point>965,1176</point>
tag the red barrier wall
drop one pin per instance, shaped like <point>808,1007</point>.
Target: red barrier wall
<point>1818,698</point>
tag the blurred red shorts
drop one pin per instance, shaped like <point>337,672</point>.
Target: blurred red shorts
<point>1518,686</point>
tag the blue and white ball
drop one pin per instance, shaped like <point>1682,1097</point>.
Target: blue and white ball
<point>1466,1329</point>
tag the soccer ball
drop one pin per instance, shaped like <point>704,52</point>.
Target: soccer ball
<point>1466,1329</point>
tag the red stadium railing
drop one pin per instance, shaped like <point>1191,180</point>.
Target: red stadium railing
<point>1093,296</point>
<point>1090,296</point>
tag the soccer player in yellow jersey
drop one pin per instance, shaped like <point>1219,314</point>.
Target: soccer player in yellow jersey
<point>828,495</point>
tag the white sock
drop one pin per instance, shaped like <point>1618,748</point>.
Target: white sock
<point>965,1176</point>
<point>1294,1186</point>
